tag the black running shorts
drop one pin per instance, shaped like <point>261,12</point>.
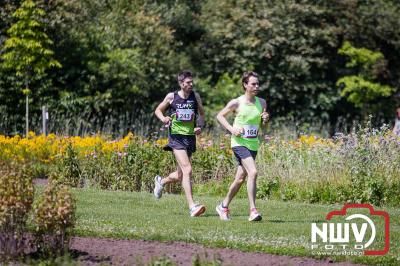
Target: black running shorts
<point>243,153</point>
<point>181,142</point>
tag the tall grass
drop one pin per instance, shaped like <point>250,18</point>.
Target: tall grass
<point>358,167</point>
<point>83,123</point>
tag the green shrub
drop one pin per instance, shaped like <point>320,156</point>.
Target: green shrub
<point>16,197</point>
<point>266,187</point>
<point>53,216</point>
<point>69,169</point>
<point>358,167</point>
<point>38,170</point>
<point>288,192</point>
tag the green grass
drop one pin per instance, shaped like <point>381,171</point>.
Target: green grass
<point>285,229</point>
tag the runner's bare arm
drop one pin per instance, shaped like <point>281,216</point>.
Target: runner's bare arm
<point>201,118</point>
<point>221,117</point>
<point>162,107</point>
<point>264,114</point>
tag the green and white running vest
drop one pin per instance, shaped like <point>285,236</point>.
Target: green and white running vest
<point>183,113</point>
<point>248,117</point>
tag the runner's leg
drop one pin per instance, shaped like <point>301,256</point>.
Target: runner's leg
<point>235,186</point>
<point>184,163</point>
<point>173,177</point>
<point>250,166</point>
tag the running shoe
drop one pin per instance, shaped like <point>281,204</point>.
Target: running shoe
<point>255,216</point>
<point>158,187</point>
<point>223,212</point>
<point>197,210</point>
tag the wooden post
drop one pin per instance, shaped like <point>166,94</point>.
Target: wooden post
<point>27,116</point>
<point>26,91</point>
<point>45,116</point>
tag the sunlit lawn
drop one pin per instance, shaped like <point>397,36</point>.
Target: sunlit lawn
<point>285,229</point>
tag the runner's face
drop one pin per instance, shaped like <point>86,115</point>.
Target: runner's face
<point>186,85</point>
<point>252,86</point>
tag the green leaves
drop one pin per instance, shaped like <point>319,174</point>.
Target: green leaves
<point>27,51</point>
<point>362,89</point>
<point>360,57</point>
<point>215,98</point>
<point>133,49</point>
<point>287,43</point>
<point>16,198</point>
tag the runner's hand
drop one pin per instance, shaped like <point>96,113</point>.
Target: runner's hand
<point>237,131</point>
<point>197,130</point>
<point>264,116</point>
<point>167,120</point>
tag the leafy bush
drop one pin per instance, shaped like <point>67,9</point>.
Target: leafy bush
<point>16,197</point>
<point>53,216</point>
<point>266,187</point>
<point>362,88</point>
<point>70,165</point>
<point>357,167</point>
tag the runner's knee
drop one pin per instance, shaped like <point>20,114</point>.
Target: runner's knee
<point>186,170</point>
<point>176,176</point>
<point>241,179</point>
<point>252,173</point>
<point>179,175</point>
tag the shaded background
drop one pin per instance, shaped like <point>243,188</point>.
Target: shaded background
<point>120,57</point>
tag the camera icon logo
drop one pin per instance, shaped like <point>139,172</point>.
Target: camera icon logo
<point>353,234</point>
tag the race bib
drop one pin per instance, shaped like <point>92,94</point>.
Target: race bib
<point>250,131</point>
<point>184,115</point>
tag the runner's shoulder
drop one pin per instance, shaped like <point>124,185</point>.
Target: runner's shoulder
<point>263,102</point>
<point>197,95</point>
<point>234,103</point>
<point>170,96</point>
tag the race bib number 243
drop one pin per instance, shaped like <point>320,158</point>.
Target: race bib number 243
<point>184,115</point>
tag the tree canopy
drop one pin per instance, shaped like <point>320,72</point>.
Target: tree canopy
<point>120,57</point>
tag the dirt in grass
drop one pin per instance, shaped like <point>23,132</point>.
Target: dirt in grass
<point>104,251</point>
<point>107,251</point>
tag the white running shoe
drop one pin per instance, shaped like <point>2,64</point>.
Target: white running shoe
<point>223,212</point>
<point>197,210</point>
<point>255,216</point>
<point>158,187</point>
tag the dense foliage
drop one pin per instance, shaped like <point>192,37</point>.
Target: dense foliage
<point>359,167</point>
<point>16,197</point>
<point>120,57</point>
<point>51,214</point>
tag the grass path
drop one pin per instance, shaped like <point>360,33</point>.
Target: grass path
<point>285,229</point>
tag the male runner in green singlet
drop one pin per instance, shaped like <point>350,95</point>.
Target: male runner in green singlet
<point>250,114</point>
<point>185,119</point>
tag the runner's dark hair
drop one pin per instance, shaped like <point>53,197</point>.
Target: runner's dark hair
<point>246,76</point>
<point>184,74</point>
